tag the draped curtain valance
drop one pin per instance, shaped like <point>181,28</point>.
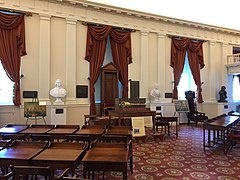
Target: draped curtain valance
<point>95,51</point>
<point>196,62</point>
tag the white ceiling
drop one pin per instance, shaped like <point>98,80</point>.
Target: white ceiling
<point>222,13</point>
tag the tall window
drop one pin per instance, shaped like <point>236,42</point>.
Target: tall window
<point>6,88</point>
<point>186,82</point>
<point>236,88</point>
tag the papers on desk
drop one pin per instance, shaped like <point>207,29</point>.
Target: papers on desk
<point>138,126</point>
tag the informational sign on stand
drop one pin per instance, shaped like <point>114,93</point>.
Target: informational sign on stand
<point>138,126</point>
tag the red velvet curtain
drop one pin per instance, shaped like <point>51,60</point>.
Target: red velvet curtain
<point>195,58</point>
<point>95,51</point>
<point>122,55</point>
<point>196,62</point>
<point>12,47</point>
<point>178,53</point>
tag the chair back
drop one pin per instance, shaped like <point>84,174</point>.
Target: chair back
<point>190,97</point>
<point>25,172</point>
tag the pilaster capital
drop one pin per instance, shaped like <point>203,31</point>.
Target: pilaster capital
<point>144,33</point>
<point>212,43</point>
<point>161,35</point>
<point>71,21</point>
<point>224,44</point>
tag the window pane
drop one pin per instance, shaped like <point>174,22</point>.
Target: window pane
<point>187,82</point>
<point>236,89</point>
<point>6,88</point>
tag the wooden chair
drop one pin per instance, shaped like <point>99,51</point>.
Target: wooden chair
<point>193,114</point>
<point>26,172</point>
<point>121,139</point>
<point>233,138</point>
<point>160,122</point>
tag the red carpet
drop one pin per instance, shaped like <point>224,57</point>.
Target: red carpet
<point>182,158</point>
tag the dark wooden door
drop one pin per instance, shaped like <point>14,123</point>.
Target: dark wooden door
<point>109,87</point>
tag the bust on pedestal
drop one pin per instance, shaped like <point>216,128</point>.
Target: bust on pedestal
<point>58,92</point>
<point>155,93</point>
<point>58,112</point>
<point>222,94</point>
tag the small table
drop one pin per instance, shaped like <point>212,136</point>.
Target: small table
<point>20,153</point>
<point>106,157</point>
<point>60,131</point>
<point>171,119</point>
<point>37,129</point>
<point>121,132</point>
<point>94,133</point>
<point>61,155</point>
<point>221,125</point>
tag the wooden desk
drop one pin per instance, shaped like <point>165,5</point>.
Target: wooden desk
<point>94,133</point>
<point>20,153</point>
<point>61,155</point>
<point>120,132</point>
<point>219,126</point>
<point>37,129</point>
<point>61,131</point>
<point>13,128</point>
<point>133,112</point>
<point>106,157</point>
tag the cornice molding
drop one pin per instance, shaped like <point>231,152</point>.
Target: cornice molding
<point>83,10</point>
<point>149,16</point>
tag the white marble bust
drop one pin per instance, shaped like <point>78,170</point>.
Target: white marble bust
<point>58,92</point>
<point>155,93</point>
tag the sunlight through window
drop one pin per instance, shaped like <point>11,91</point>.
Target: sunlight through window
<point>236,88</point>
<point>186,82</point>
<point>6,88</point>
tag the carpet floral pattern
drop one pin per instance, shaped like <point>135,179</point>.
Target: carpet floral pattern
<point>182,158</point>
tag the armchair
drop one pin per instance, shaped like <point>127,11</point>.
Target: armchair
<point>193,114</point>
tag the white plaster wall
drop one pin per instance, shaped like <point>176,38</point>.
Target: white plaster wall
<point>151,33</point>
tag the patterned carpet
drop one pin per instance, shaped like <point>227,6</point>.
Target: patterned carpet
<point>182,158</point>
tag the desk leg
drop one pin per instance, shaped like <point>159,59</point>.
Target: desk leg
<point>84,171</point>
<point>176,128</point>
<point>125,172</point>
<point>153,122</point>
<point>204,138</point>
